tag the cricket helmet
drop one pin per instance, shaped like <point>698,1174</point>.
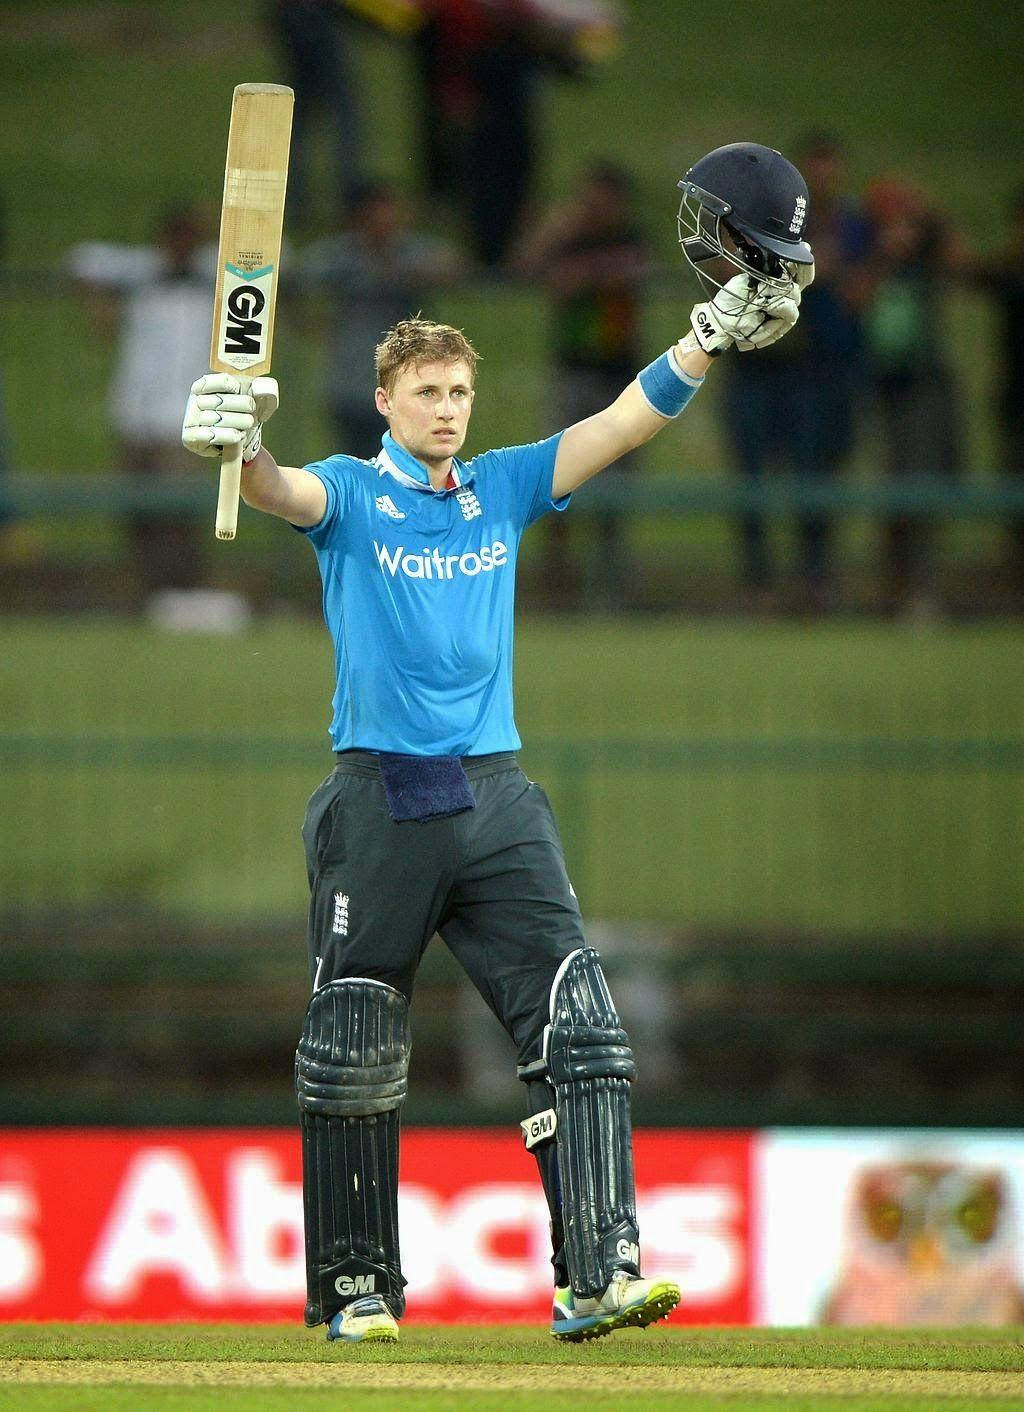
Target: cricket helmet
<point>746,204</point>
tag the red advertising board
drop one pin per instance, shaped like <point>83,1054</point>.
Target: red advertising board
<point>207,1224</point>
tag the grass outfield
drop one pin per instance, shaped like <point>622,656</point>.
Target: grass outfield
<point>809,787</point>
<point>483,1369</point>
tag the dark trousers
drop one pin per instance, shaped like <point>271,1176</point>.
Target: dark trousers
<point>1013,465</point>
<point>800,417</point>
<point>169,551</point>
<point>491,881</point>
<point>922,435</point>
<point>314,36</point>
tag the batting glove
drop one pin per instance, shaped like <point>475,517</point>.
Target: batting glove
<point>744,312</point>
<point>219,414</point>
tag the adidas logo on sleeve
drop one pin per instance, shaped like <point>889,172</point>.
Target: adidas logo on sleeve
<point>388,507</point>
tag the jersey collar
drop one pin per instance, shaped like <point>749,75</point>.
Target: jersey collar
<point>394,460</point>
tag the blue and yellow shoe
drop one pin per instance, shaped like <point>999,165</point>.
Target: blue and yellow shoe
<point>366,1320</point>
<point>626,1303</point>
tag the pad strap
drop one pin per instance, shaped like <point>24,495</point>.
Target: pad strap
<point>539,1135</point>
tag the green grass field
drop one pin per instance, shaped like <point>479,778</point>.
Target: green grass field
<point>268,1369</point>
<point>842,778</point>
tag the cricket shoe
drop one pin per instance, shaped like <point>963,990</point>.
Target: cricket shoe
<point>626,1303</point>
<point>364,1321</point>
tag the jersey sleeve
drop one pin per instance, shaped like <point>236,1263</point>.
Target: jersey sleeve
<point>528,472</point>
<point>334,473</point>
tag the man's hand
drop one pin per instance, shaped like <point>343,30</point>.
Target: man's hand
<point>219,414</point>
<point>744,312</point>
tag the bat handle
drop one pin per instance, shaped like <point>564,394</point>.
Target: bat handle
<point>227,497</point>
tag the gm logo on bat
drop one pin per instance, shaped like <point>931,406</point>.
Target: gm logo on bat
<point>243,333</point>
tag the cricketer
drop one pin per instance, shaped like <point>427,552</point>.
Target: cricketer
<point>426,823</point>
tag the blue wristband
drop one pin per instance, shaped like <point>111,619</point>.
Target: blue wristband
<point>666,389</point>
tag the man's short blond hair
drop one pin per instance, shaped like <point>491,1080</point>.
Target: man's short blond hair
<point>415,341</point>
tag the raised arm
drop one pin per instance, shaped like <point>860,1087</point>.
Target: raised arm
<point>291,493</point>
<point>740,313</point>
<point>218,414</point>
<point>628,422</point>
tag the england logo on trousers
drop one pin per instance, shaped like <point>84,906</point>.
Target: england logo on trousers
<point>340,926</point>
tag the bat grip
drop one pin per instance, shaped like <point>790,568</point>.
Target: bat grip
<point>227,497</point>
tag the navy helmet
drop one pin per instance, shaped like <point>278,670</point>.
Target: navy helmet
<point>746,204</point>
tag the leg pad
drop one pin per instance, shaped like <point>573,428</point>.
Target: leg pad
<point>351,1072</point>
<point>590,1065</point>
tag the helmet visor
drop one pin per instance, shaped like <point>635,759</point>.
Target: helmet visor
<point>796,252</point>
<point>709,233</point>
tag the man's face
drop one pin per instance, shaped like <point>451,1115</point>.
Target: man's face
<point>428,409</point>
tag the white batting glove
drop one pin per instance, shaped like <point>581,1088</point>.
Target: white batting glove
<point>744,312</point>
<point>778,312</point>
<point>219,414</point>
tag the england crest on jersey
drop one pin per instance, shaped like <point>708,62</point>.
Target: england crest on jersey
<point>468,503</point>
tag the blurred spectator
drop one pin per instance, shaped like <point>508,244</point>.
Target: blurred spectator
<point>478,76</point>
<point>480,65</point>
<point>314,37</point>
<point>154,303</point>
<point>916,392</point>
<point>5,515</point>
<point>1004,278</point>
<point>590,255</point>
<point>374,272</point>
<point>794,404</point>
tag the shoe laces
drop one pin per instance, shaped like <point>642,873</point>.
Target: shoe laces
<point>616,1287</point>
<point>372,1304</point>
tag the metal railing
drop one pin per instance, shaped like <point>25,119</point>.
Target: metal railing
<point>189,494</point>
<point>809,835</point>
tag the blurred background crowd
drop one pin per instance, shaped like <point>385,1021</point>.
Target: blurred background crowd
<point>874,371</point>
<point>770,667</point>
<point>881,381</point>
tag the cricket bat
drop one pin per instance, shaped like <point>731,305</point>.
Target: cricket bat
<point>255,176</point>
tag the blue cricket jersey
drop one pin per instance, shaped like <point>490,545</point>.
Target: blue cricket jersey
<point>418,597</point>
